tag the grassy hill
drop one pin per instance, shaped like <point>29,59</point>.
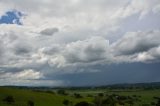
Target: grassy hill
<point>21,97</point>
<point>50,98</point>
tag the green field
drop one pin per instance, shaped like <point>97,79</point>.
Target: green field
<point>21,97</point>
<point>41,98</point>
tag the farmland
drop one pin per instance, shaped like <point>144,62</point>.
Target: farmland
<point>93,96</point>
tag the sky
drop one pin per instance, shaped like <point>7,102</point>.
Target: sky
<point>79,42</point>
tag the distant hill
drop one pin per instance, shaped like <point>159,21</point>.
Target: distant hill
<point>150,85</point>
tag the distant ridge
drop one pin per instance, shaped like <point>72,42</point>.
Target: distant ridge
<point>147,85</point>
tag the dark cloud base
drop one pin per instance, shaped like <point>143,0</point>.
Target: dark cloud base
<point>114,74</point>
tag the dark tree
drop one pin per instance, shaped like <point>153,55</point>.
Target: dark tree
<point>62,92</point>
<point>89,95</point>
<point>76,95</point>
<point>153,103</point>
<point>145,104</point>
<point>30,103</point>
<point>97,101</point>
<point>101,94</point>
<point>130,102</point>
<point>83,103</point>
<point>157,101</point>
<point>9,99</point>
<point>110,101</point>
<point>121,103</point>
<point>66,102</point>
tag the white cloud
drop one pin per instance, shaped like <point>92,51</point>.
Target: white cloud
<point>28,74</point>
<point>153,55</point>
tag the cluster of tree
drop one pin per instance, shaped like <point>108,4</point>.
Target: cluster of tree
<point>145,86</point>
<point>30,103</point>
<point>82,103</point>
<point>107,100</point>
<point>10,100</point>
<point>157,101</point>
<point>152,85</point>
<point>113,100</point>
<point>62,92</point>
<point>44,91</point>
<point>67,102</point>
<point>77,95</point>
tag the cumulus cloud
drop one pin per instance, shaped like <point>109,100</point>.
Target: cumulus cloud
<point>94,50</point>
<point>138,46</point>
<point>83,30</point>
<point>89,50</point>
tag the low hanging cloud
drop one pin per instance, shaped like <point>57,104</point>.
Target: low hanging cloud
<point>28,74</point>
<point>27,77</point>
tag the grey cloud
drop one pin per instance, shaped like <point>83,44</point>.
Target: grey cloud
<point>75,48</point>
<point>82,52</point>
<point>89,50</point>
<point>49,31</point>
<point>136,42</point>
<point>1,49</point>
<point>156,9</point>
<point>156,52</point>
<point>54,49</point>
<point>22,48</point>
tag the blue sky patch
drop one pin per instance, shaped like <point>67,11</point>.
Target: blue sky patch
<point>11,17</point>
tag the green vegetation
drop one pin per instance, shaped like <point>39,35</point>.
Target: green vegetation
<point>25,97</point>
<point>14,96</point>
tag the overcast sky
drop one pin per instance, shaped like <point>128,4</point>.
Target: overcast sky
<point>79,42</point>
